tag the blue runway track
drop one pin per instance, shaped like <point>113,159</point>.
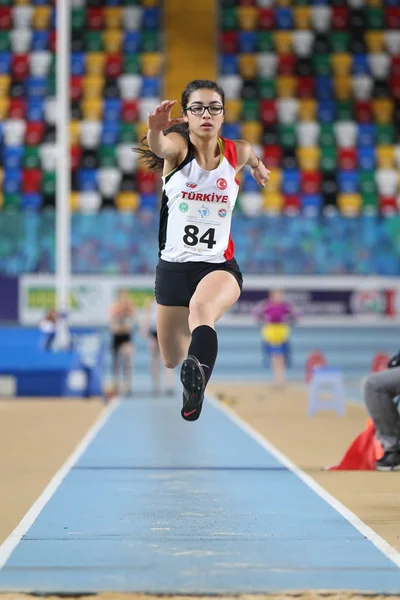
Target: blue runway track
<point>159,505</point>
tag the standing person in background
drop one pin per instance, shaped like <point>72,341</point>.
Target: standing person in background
<point>149,330</point>
<point>122,320</point>
<point>275,315</point>
<point>197,276</point>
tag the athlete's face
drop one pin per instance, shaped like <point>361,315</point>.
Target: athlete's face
<point>209,123</point>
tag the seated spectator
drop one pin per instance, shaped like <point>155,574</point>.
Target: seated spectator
<point>381,396</point>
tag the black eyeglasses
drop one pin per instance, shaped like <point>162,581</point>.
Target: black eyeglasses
<point>198,110</point>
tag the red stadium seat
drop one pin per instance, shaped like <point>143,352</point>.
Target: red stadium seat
<point>76,155</point>
<point>287,64</point>
<point>76,87</point>
<point>20,66</point>
<point>114,65</point>
<point>31,181</point>
<point>310,182</point>
<point>395,66</point>
<point>130,111</point>
<point>266,18</point>
<point>229,42</point>
<point>363,111</point>
<point>146,181</point>
<point>34,132</point>
<point>340,17</point>
<point>272,155</point>
<point>347,158</point>
<point>95,18</point>
<point>388,205</point>
<point>393,17</point>
<point>5,18</point>
<point>305,87</point>
<point>268,112</point>
<point>53,40</point>
<point>17,108</point>
<point>291,204</point>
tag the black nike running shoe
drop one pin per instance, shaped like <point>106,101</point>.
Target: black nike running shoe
<point>194,384</point>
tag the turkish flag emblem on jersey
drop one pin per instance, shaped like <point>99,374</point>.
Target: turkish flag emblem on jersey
<point>222,183</point>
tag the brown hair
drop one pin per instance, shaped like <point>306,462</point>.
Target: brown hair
<point>154,162</point>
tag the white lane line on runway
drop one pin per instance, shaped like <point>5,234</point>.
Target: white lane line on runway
<point>366,531</point>
<point>9,545</point>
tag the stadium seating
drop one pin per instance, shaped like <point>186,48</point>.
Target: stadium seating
<point>115,63</point>
<point>323,79</point>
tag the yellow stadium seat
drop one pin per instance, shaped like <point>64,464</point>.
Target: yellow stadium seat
<point>92,109</point>
<point>150,3</point>
<point>308,157</point>
<point>127,201</point>
<point>112,17</point>
<point>233,110</point>
<point>252,131</point>
<point>92,86</point>
<point>4,104</point>
<point>283,42</point>
<point>283,2</point>
<point>74,201</point>
<point>151,63</point>
<point>95,63</point>
<point>286,86</point>
<point>74,132</point>
<point>22,2</point>
<point>302,17</point>
<point>341,63</point>
<point>274,181</point>
<point>41,17</point>
<point>248,66</point>
<point>5,81</point>
<point>349,204</point>
<point>382,109</point>
<point>272,202</point>
<point>343,87</point>
<point>248,17</point>
<point>385,157</point>
<point>112,40</point>
<point>141,129</point>
<point>307,109</point>
<point>375,41</point>
<point>374,2</point>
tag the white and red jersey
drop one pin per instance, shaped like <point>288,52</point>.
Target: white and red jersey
<point>196,210</point>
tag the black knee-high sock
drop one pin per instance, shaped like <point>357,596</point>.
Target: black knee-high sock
<point>204,346</point>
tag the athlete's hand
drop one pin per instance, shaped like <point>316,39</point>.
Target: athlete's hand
<point>261,174</point>
<point>160,119</point>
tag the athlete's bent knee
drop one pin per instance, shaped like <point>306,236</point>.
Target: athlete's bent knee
<point>199,309</point>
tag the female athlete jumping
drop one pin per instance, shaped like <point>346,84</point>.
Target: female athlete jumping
<point>197,277</point>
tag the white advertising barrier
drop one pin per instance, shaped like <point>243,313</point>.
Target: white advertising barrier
<point>319,300</point>
<point>90,299</point>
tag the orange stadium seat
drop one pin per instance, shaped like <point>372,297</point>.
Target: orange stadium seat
<point>151,63</point>
<point>273,202</point>
<point>112,39</point>
<point>95,63</point>
<point>349,204</point>
<point>248,66</point>
<point>92,108</point>
<point>248,17</point>
<point>127,201</point>
<point>252,131</point>
<point>308,157</point>
<point>41,17</point>
<point>113,17</point>
<point>302,17</point>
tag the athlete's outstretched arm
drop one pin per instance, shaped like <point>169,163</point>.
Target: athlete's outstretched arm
<point>165,146</point>
<point>247,156</point>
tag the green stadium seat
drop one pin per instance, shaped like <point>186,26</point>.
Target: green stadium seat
<point>31,157</point>
<point>229,18</point>
<point>267,88</point>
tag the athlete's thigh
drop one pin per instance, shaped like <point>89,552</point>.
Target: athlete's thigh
<point>173,333</point>
<point>215,293</point>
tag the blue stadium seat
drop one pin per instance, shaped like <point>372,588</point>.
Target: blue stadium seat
<point>231,131</point>
<point>323,87</point>
<point>112,109</point>
<point>110,133</point>
<point>151,18</point>
<point>326,111</point>
<point>291,181</point>
<point>53,18</point>
<point>132,40</point>
<point>35,109</point>
<point>348,181</point>
<point>247,41</point>
<point>12,156</point>
<point>284,18</point>
<point>5,62</point>
<point>150,87</point>
<point>12,181</point>
<point>311,202</point>
<point>87,179</point>
<point>229,64</point>
<point>36,86</point>
<point>366,157</point>
<point>40,40</point>
<point>360,64</point>
<point>32,201</point>
<point>78,60</point>
<point>366,134</point>
<point>249,184</point>
<point>149,202</point>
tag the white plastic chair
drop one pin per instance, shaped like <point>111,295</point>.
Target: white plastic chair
<point>303,41</point>
<point>22,16</point>
<point>90,132</point>
<point>321,18</point>
<point>387,182</point>
<point>132,17</point>
<point>126,158</point>
<point>308,133</point>
<point>232,85</point>
<point>14,132</point>
<point>129,86</point>
<point>108,180</point>
<point>251,204</point>
<point>147,105</point>
<point>48,157</point>
<point>89,202</point>
<point>266,64</point>
<point>362,87</point>
<point>379,64</point>
<point>288,109</point>
<point>346,133</point>
<point>39,62</point>
<point>21,40</point>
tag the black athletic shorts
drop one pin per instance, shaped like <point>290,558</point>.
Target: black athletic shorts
<point>177,282</point>
<point>119,339</point>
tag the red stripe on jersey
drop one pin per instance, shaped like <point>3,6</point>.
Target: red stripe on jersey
<point>230,250</point>
<point>231,154</point>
